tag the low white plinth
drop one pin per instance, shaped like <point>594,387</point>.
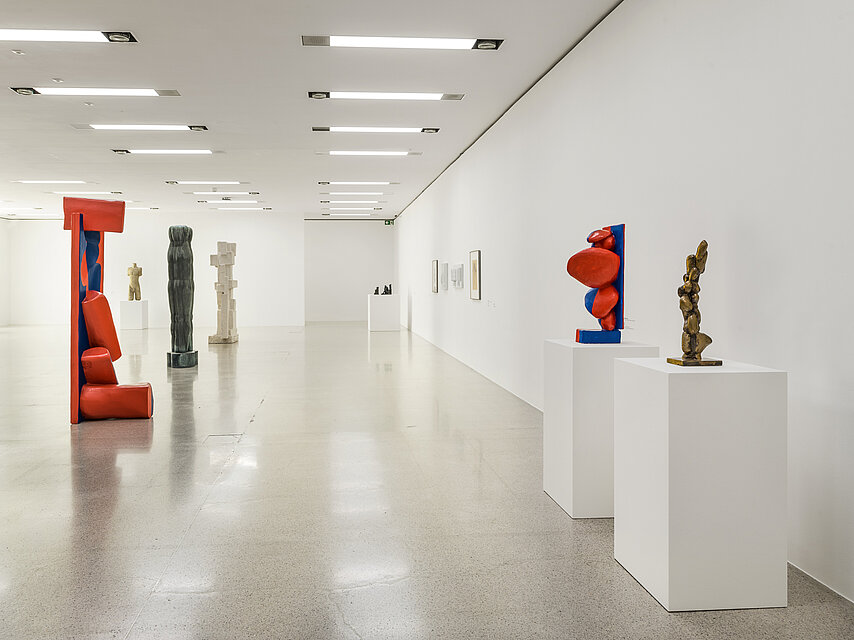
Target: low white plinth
<point>384,313</point>
<point>134,314</point>
<point>700,483</point>
<point>578,424</point>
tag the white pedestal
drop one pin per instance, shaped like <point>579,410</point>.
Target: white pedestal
<point>578,424</point>
<point>700,483</point>
<point>134,314</point>
<point>384,313</point>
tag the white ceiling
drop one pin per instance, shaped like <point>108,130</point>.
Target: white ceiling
<point>242,71</point>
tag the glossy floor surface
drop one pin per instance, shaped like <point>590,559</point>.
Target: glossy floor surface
<point>311,483</point>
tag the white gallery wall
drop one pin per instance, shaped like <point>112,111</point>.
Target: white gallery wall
<point>5,272</point>
<point>268,267</point>
<point>727,121</point>
<point>345,260</point>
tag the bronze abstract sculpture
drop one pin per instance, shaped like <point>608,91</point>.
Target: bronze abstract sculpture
<point>693,342</point>
<point>181,289</point>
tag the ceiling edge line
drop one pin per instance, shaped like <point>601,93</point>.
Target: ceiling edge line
<point>512,104</point>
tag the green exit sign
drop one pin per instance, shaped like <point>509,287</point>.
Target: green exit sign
<point>389,223</point>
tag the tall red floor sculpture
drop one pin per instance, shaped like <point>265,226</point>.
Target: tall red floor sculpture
<point>95,392</point>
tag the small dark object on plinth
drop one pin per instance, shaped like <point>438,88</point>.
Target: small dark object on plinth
<point>386,290</point>
<point>183,360</point>
<point>693,342</point>
<point>377,291</point>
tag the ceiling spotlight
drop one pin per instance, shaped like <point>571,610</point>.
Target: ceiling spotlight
<point>57,80</point>
<point>24,91</point>
<point>119,36</point>
<point>487,44</point>
<point>18,52</point>
<point>318,95</point>
<point>430,130</point>
<point>198,127</point>
<point>121,151</point>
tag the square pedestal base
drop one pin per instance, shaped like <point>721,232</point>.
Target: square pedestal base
<point>220,340</point>
<point>578,424</point>
<point>182,360</point>
<point>700,483</point>
<point>133,314</point>
<point>384,313</point>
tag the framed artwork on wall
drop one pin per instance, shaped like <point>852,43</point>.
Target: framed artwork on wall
<point>457,276</point>
<point>474,277</point>
<point>435,276</point>
<point>443,276</point>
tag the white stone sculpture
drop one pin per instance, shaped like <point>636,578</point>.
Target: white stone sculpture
<point>226,307</point>
<point>134,292</point>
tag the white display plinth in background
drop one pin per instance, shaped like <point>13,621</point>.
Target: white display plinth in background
<point>384,313</point>
<point>134,314</point>
<point>578,423</point>
<point>700,483</point>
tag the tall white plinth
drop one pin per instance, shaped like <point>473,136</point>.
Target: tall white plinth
<point>700,483</point>
<point>384,313</point>
<point>578,424</point>
<point>133,314</point>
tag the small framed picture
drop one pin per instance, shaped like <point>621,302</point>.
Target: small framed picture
<point>443,276</point>
<point>435,276</point>
<point>474,277</point>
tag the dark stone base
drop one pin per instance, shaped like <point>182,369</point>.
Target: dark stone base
<point>182,360</point>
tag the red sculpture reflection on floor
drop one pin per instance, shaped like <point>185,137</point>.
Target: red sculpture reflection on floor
<point>95,391</point>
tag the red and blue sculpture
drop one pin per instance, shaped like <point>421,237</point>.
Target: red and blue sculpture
<point>601,268</point>
<point>95,391</point>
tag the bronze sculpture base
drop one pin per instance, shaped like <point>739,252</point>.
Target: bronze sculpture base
<point>682,362</point>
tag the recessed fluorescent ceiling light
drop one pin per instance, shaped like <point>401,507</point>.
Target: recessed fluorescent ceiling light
<point>349,214</point>
<point>356,193</point>
<point>51,35</point>
<point>368,153</point>
<point>386,42</point>
<point>350,201</point>
<point>353,183</point>
<point>226,193</point>
<point>202,182</point>
<point>376,129</point>
<point>149,127</point>
<point>50,181</point>
<point>382,95</point>
<point>141,208</point>
<point>87,193</point>
<point>354,208</point>
<point>95,91</point>
<point>244,208</point>
<point>20,208</point>
<point>165,151</point>
<point>228,201</point>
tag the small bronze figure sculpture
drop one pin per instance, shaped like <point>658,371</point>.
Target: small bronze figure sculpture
<point>181,289</point>
<point>693,342</point>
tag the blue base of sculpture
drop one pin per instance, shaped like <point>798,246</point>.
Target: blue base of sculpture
<point>587,336</point>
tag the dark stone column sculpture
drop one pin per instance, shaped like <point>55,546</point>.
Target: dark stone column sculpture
<point>181,289</point>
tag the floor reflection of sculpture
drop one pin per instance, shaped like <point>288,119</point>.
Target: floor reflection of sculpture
<point>95,392</point>
<point>693,342</point>
<point>183,449</point>
<point>181,290</point>
<point>133,288</point>
<point>602,268</point>
<point>226,307</point>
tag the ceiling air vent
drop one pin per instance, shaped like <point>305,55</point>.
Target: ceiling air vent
<point>315,41</point>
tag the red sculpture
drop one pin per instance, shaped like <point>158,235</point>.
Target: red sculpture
<point>95,392</point>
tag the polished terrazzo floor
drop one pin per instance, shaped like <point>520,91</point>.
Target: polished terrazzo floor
<point>311,483</point>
